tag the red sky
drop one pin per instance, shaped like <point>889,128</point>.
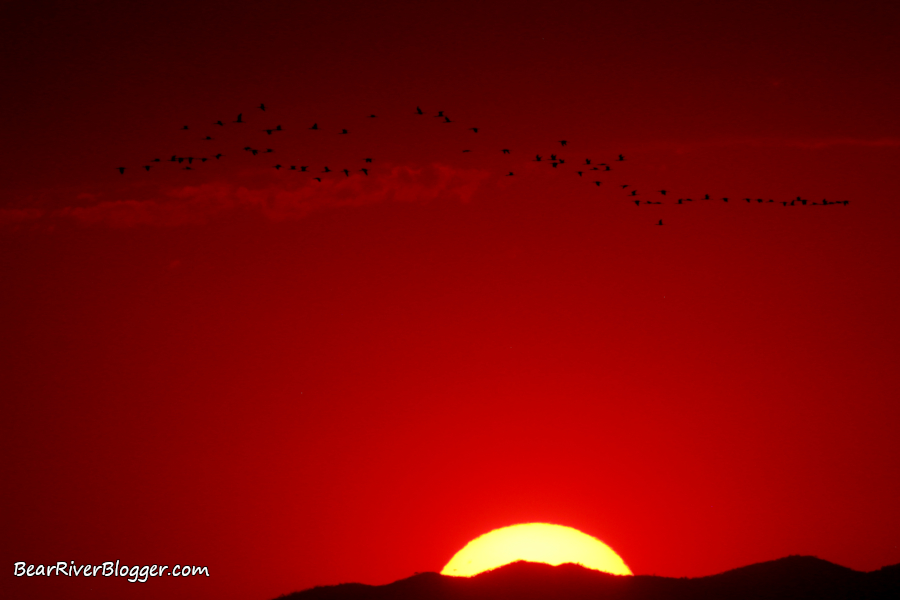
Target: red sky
<point>299,383</point>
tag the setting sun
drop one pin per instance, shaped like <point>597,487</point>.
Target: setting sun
<point>534,542</point>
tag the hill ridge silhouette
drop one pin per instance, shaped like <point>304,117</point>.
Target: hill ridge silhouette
<point>788,578</point>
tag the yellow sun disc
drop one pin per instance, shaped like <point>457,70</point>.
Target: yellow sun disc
<point>534,542</point>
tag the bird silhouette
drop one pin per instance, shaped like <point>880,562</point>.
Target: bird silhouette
<point>269,150</point>
<point>587,161</point>
<point>637,202</point>
<point>219,123</point>
<point>419,111</point>
<point>634,192</point>
<point>365,172</point>
<point>510,174</point>
<point>597,183</point>
<point>506,151</point>
<point>607,168</point>
<point>319,179</point>
<point>121,170</point>
<point>219,155</point>
<point>315,126</point>
<point>624,185</point>
<point>262,106</point>
<point>155,160</point>
<point>277,167</point>
<point>293,168</point>
<point>660,223</point>
<point>579,173</point>
<point>239,119</point>
<point>663,192</point>
<point>554,164</point>
<point>207,138</point>
<point>185,127</point>
<point>372,116</point>
<point>475,129</point>
<point>368,160</point>
<point>146,167</point>
<point>343,132</point>
<point>346,172</point>
<point>706,197</point>
<point>563,142</point>
<point>537,158</point>
<point>621,157</point>
<point>552,157</point>
<point>447,120</point>
<point>440,114</point>
<point>725,199</point>
<point>303,168</point>
<point>466,150</point>
<point>327,170</point>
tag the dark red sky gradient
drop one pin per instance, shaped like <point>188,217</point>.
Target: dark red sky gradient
<point>301,384</point>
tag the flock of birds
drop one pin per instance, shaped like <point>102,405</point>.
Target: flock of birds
<point>588,170</point>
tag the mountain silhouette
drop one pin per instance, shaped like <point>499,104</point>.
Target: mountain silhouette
<point>789,578</point>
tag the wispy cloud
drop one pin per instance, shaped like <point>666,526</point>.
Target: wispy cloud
<point>280,198</point>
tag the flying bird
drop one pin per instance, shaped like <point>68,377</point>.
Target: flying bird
<point>343,132</point>
<point>185,127</point>
<point>365,172</point>
<point>327,170</point>
<point>587,161</point>
<point>219,155</point>
<point>475,129</point>
<point>419,111</point>
<point>121,170</point>
<point>621,157</point>
<point>597,183</point>
<point>372,116</point>
<point>368,160</point>
<point>239,119</point>
<point>510,174</point>
<point>146,167</point>
<point>319,179</point>
<point>277,167</point>
<point>579,173</point>
<point>506,151</point>
<point>262,106</point>
<point>207,138</point>
<point>563,142</point>
<point>315,126</point>
<point>346,172</point>
<point>440,114</point>
<point>663,192</point>
<point>447,120</point>
<point>660,222</point>
<point>537,158</point>
<point>219,123</point>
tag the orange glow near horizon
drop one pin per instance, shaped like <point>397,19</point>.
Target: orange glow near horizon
<point>534,542</point>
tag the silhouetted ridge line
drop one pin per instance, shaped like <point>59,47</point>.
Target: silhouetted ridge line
<point>787,578</point>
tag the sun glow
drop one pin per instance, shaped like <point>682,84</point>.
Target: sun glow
<point>534,542</point>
